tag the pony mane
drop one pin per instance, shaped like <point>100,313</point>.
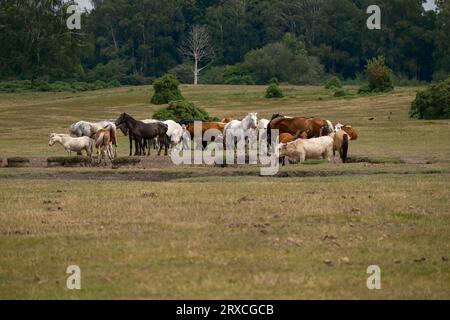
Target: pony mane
<point>277,115</point>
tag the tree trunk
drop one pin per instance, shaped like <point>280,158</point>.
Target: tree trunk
<point>196,71</point>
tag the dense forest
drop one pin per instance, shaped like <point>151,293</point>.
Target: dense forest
<point>296,41</point>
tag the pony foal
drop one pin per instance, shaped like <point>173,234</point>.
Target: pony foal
<point>72,144</point>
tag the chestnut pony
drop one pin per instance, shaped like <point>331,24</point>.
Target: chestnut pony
<point>205,127</point>
<point>315,127</point>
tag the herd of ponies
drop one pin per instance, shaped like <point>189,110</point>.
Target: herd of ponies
<point>300,138</point>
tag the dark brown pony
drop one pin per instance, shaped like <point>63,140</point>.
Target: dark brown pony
<point>315,127</point>
<point>140,131</point>
<point>205,127</point>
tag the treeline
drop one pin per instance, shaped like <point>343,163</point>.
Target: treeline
<point>296,41</point>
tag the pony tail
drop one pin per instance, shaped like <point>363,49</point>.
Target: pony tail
<point>100,140</point>
<point>345,148</point>
<point>269,134</point>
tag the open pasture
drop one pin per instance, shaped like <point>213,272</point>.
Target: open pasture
<point>163,231</point>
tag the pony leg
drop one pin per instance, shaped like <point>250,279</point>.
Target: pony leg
<point>131,144</point>
<point>159,150</point>
<point>302,157</point>
<point>137,147</point>
<point>161,143</point>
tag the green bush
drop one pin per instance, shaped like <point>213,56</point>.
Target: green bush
<point>57,86</point>
<point>100,85</point>
<point>341,93</point>
<point>15,86</point>
<point>433,102</point>
<point>213,75</point>
<point>273,91</point>
<point>237,74</point>
<point>379,75</point>
<point>333,83</point>
<point>182,110</point>
<point>61,86</point>
<point>41,85</point>
<point>364,90</point>
<point>83,86</point>
<point>166,90</point>
<point>114,83</point>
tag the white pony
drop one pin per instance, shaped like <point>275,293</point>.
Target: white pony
<point>338,127</point>
<point>174,132</point>
<point>239,129</point>
<point>72,144</point>
<point>89,129</point>
<point>262,134</point>
<point>308,149</point>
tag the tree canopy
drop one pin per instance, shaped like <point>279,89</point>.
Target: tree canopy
<point>137,41</point>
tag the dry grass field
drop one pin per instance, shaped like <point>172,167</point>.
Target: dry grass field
<point>196,232</point>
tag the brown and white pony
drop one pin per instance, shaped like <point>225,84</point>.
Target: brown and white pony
<point>103,142</point>
<point>353,134</point>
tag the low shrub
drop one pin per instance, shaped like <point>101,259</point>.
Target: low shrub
<point>333,83</point>
<point>237,75</point>
<point>379,76</point>
<point>341,93</point>
<point>114,83</point>
<point>433,102</point>
<point>273,92</point>
<point>364,90</point>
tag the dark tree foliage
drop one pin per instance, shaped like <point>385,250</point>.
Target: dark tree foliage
<point>35,42</point>
<point>136,41</point>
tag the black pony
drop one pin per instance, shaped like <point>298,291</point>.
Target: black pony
<point>139,131</point>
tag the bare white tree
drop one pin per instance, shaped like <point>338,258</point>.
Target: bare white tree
<point>198,48</point>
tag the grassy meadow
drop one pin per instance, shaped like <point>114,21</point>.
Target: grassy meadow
<point>209,232</point>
